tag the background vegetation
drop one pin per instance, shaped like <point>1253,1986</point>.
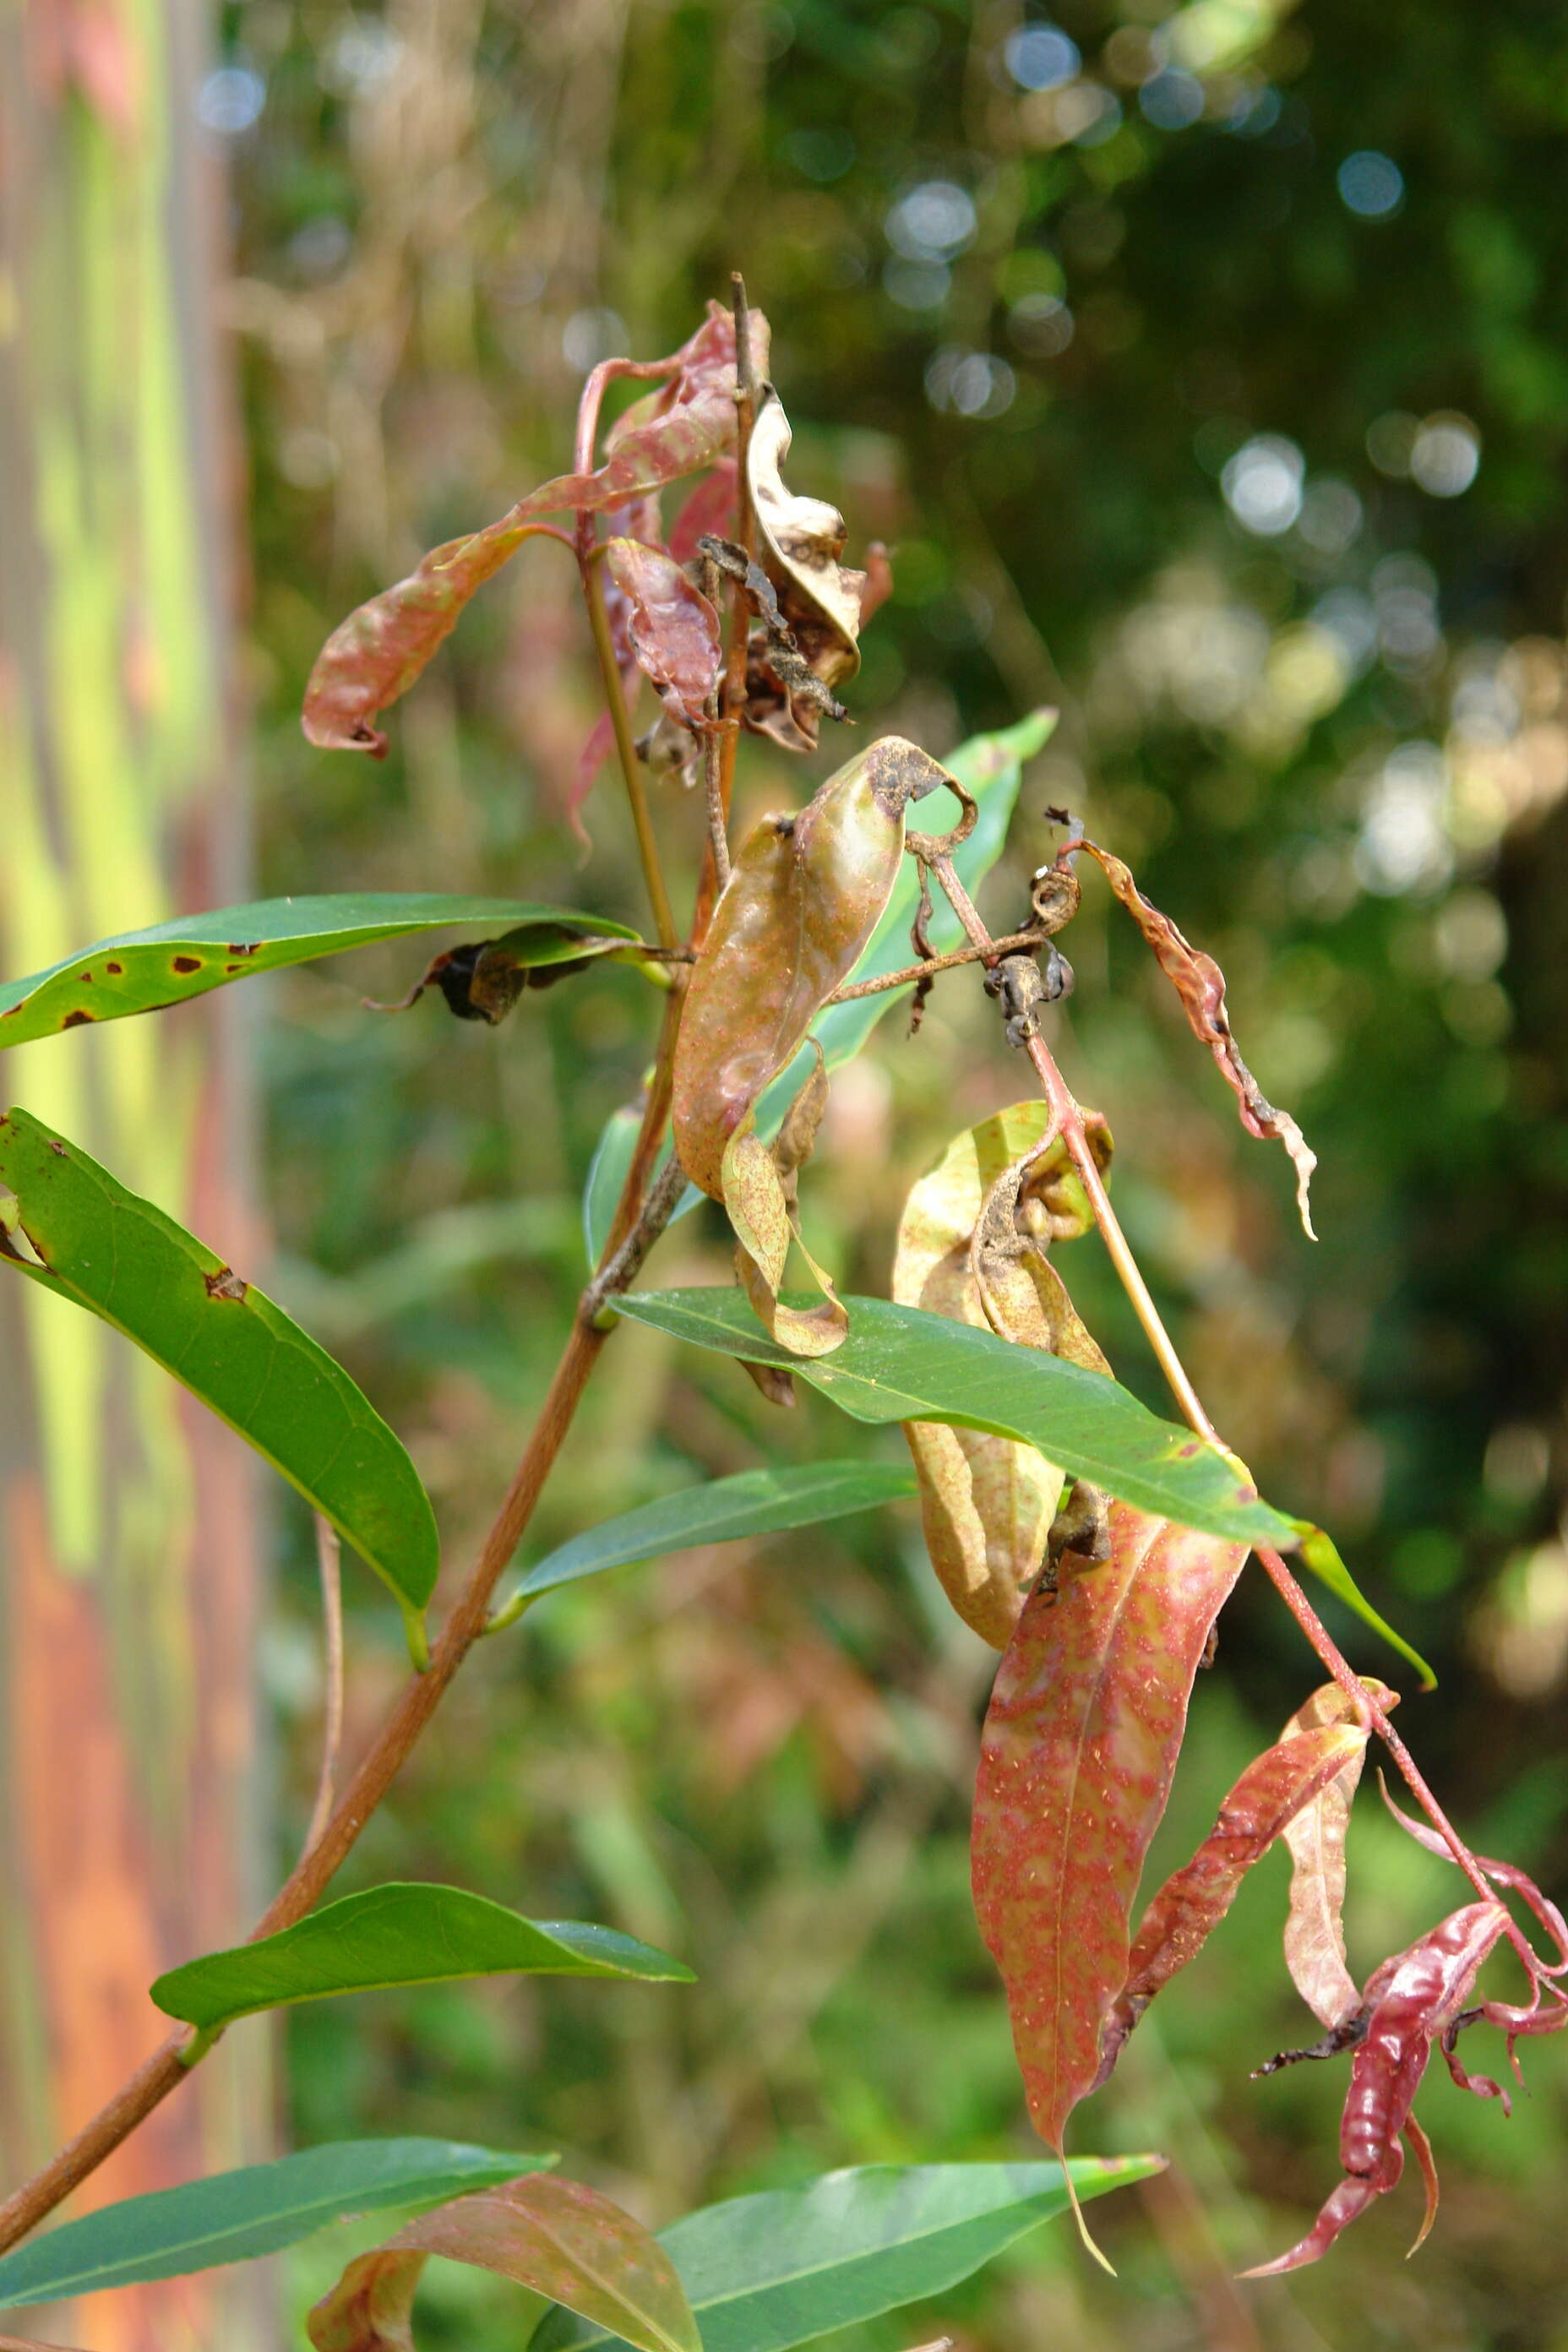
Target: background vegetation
<point>1203,369</point>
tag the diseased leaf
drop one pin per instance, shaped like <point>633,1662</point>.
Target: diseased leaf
<point>673,629</point>
<point>233,2217</point>
<point>1200,983</point>
<point>794,672</point>
<point>144,971</point>
<point>375,655</point>
<point>107,1249</point>
<point>398,1934</point>
<point>1268,1798</point>
<point>753,1503</point>
<point>902,1364</point>
<point>1314,1929</point>
<point>1079,1745</point>
<point>482,979</point>
<point>768,2272</point>
<point>562,2240</point>
<point>987,1503</point>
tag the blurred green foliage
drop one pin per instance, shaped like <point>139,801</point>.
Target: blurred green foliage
<point>1204,368</point>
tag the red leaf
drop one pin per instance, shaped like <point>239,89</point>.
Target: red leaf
<point>378,652</point>
<point>709,511</point>
<point>561,2239</point>
<point>1270,1793</point>
<point>1080,1742</point>
<point>1200,983</point>
<point>673,629</point>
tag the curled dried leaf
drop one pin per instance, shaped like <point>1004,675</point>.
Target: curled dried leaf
<point>800,541</point>
<point>1200,983</point>
<point>987,1503</point>
<point>672,628</point>
<point>1314,1929</point>
<point>375,655</point>
<point>1269,1795</point>
<point>761,1195</point>
<point>1080,1743</point>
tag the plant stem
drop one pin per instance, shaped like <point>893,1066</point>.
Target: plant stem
<point>631,767</point>
<point>329,1562</point>
<point>746,538</point>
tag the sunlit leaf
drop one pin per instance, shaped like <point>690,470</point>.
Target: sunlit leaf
<point>815,599</point>
<point>1080,1742</point>
<point>235,2216</point>
<point>375,655</point>
<point>107,1249</point>
<point>1314,1930</point>
<point>753,1503</point>
<point>768,2272</point>
<point>556,2237</point>
<point>399,1935</point>
<point>143,972</point>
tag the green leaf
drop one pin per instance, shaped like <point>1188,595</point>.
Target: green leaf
<point>235,2216</point>
<point>143,971</point>
<point>754,1503</point>
<point>399,1935</point>
<point>768,2272</point>
<point>898,1363</point>
<point>120,1258</point>
<point>989,766</point>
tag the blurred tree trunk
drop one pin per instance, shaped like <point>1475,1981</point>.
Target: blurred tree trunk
<point>126,1523</point>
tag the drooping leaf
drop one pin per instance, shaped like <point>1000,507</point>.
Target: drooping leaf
<point>765,2272</point>
<point>107,1249</point>
<point>801,903</point>
<point>557,2237</point>
<point>375,655</point>
<point>899,1364</point>
<point>143,971</point>
<point>673,629</point>
<point>1200,983</point>
<point>816,599</point>
<point>1314,1929</point>
<point>1079,1746</point>
<point>233,2217</point>
<point>483,979</point>
<point>986,1503</point>
<point>1269,1797</point>
<point>753,1503</point>
<point>989,767</point>
<point>398,1934</point>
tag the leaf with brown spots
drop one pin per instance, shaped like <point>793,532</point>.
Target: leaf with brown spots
<point>1079,1746</point>
<point>560,2239</point>
<point>1200,983</point>
<point>375,655</point>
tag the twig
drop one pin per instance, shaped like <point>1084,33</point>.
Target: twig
<point>912,973</point>
<point>745,537</point>
<point>1070,1121</point>
<point>620,1271</point>
<point>631,767</point>
<point>329,1562</point>
<point>714,755</point>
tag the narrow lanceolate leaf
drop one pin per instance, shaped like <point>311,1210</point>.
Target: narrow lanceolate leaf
<point>1080,1742</point>
<point>399,1935</point>
<point>1273,1791</point>
<point>560,2239</point>
<point>986,1503</point>
<point>753,1503</point>
<point>113,1253</point>
<point>375,655</point>
<point>1314,1930</point>
<point>236,2216</point>
<point>899,1364</point>
<point>768,2272</point>
<point>143,971</point>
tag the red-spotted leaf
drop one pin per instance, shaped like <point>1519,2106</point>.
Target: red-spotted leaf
<point>1314,1929</point>
<point>375,655</point>
<point>1270,1793</point>
<point>1079,1746</point>
<point>673,629</point>
<point>1200,983</point>
<point>565,2240</point>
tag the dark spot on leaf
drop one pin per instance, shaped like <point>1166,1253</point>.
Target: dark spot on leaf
<point>10,1009</point>
<point>225,1284</point>
<point>234,967</point>
<point>74,1020</point>
<point>115,968</point>
<point>1185,1453</point>
<point>57,1148</point>
<point>187,964</point>
<point>85,975</point>
<point>244,947</point>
